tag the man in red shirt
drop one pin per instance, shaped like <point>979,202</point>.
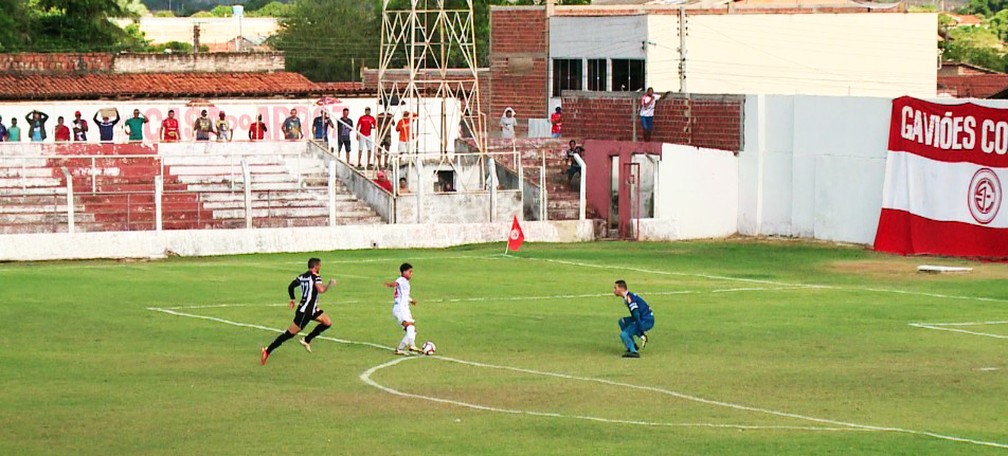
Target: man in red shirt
<point>557,120</point>
<point>364,126</point>
<point>383,181</point>
<point>62,132</point>
<point>405,129</point>
<point>170,128</point>
<point>257,131</point>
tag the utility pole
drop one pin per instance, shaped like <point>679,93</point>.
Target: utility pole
<point>196,33</point>
<point>682,49</point>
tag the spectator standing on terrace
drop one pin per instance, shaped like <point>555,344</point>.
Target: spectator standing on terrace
<point>62,132</point>
<point>403,186</point>
<point>320,127</point>
<point>572,165</point>
<point>507,123</point>
<point>556,120</point>
<point>134,126</point>
<point>170,128</point>
<point>405,130</point>
<point>385,121</point>
<point>203,127</point>
<point>14,132</point>
<point>257,131</point>
<point>383,181</point>
<point>223,127</point>
<point>345,127</point>
<point>36,125</point>
<point>80,127</point>
<point>3,130</point>
<point>365,124</point>
<point>106,128</point>
<point>647,105</point>
<point>292,127</point>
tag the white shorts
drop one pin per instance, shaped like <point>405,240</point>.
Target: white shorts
<point>404,147</point>
<point>402,314</point>
<point>364,144</point>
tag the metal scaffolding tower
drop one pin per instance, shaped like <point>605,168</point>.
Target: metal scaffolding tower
<point>435,42</point>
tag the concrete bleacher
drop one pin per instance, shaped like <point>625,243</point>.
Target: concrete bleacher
<point>562,200</point>
<point>203,187</point>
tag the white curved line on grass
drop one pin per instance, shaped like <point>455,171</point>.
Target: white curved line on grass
<point>627,385</point>
<point>366,378</point>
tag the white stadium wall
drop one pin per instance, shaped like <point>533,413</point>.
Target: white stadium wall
<point>151,244</point>
<point>813,167</point>
<point>696,195</point>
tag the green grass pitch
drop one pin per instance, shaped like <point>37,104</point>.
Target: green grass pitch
<point>760,348</point>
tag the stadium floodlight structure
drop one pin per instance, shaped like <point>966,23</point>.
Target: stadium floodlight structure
<point>435,42</point>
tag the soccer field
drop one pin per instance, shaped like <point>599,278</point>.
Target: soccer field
<point>759,347</point>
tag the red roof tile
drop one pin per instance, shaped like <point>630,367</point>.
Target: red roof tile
<point>974,85</point>
<point>343,87</point>
<point>158,85</point>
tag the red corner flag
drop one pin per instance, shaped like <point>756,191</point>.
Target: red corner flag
<point>515,237</point>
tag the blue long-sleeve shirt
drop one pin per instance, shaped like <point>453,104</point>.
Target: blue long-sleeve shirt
<point>638,307</point>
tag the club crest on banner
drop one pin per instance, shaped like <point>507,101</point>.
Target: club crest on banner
<point>984,196</point>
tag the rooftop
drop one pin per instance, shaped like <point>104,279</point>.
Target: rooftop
<point>157,85</point>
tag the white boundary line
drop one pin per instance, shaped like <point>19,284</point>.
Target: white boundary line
<point>943,327</point>
<point>765,282</point>
<point>515,298</point>
<point>608,382</point>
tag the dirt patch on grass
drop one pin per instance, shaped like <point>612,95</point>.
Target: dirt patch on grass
<point>906,268</point>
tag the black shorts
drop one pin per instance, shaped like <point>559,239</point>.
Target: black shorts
<point>301,319</point>
<point>343,142</point>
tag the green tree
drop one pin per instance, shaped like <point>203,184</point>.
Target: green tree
<point>329,40</point>
<point>985,7</point>
<point>979,46</point>
<point>271,9</point>
<point>222,11</point>
<point>79,25</point>
<point>13,30</point>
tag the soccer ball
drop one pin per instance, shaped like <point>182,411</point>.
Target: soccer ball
<point>428,348</point>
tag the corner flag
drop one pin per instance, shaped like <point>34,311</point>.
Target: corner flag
<point>515,237</point>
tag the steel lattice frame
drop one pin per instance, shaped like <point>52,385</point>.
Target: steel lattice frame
<point>424,38</point>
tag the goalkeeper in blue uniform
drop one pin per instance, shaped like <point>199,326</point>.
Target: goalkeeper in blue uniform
<point>637,324</point>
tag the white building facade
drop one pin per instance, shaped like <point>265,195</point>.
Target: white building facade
<point>858,53</point>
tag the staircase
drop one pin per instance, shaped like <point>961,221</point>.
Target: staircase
<point>562,199</point>
<point>287,191</point>
<point>114,188</point>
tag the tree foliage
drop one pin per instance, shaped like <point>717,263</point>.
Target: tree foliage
<point>984,7</point>
<point>329,40</point>
<point>982,46</point>
<point>271,9</point>
<point>64,26</point>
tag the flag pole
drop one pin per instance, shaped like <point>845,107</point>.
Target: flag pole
<point>507,240</point>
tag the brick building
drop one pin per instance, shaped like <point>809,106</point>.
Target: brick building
<point>542,56</point>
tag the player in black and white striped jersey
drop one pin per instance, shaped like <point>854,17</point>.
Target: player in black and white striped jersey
<point>311,287</point>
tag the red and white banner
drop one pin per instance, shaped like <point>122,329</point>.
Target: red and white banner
<point>943,184</point>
